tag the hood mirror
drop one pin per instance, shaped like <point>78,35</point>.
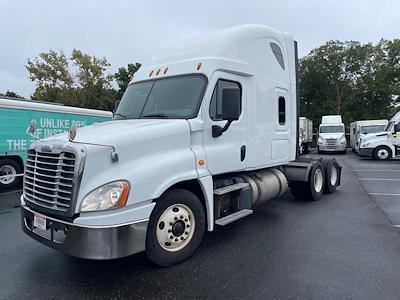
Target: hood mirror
<point>72,132</point>
<point>31,130</point>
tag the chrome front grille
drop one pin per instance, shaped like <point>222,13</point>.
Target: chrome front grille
<point>331,142</point>
<point>49,179</point>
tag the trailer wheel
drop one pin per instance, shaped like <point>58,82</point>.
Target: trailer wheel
<point>332,175</point>
<point>382,153</point>
<point>313,189</point>
<point>176,228</point>
<point>9,168</point>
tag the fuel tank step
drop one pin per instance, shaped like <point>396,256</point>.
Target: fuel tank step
<point>233,217</point>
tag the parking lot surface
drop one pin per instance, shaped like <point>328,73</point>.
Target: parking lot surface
<point>346,245</point>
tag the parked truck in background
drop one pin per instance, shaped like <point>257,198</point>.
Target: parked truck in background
<point>200,138</point>
<point>306,134</point>
<point>382,145</point>
<point>15,116</point>
<point>331,135</point>
<point>358,129</point>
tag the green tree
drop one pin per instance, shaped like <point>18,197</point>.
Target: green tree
<point>11,94</point>
<point>80,80</point>
<point>123,76</point>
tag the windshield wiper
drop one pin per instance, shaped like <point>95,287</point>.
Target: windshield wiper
<point>120,115</point>
<point>157,115</point>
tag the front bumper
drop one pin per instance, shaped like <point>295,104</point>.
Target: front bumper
<point>90,242</point>
<point>366,152</point>
<point>332,148</point>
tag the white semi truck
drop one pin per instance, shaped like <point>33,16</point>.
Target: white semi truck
<point>382,145</point>
<point>201,136</point>
<point>331,135</point>
<point>305,134</point>
<point>358,129</point>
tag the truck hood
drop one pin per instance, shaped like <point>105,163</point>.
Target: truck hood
<point>374,135</point>
<point>121,132</point>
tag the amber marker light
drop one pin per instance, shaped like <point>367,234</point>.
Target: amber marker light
<point>124,194</point>
<point>198,66</point>
<point>151,73</point>
<point>165,70</point>
<point>202,162</point>
<point>158,72</point>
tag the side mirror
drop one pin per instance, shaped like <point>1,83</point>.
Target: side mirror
<point>116,104</point>
<point>230,104</point>
<point>396,127</point>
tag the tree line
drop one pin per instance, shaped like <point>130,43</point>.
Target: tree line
<point>353,79</point>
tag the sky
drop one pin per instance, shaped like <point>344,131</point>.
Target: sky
<point>133,31</point>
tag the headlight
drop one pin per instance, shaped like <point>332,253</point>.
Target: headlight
<point>108,196</point>
<point>365,145</point>
<point>320,140</point>
<point>343,141</point>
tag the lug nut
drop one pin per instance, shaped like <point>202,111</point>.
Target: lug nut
<point>169,230</point>
<point>176,240</point>
<point>186,232</point>
<point>176,218</point>
<point>170,223</point>
<point>186,220</point>
<point>171,237</point>
<point>181,217</point>
<point>182,238</point>
<point>188,226</point>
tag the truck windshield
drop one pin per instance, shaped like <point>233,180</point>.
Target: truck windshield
<point>372,128</point>
<point>331,129</point>
<point>170,98</point>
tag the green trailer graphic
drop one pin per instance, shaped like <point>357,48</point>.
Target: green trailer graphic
<point>51,119</point>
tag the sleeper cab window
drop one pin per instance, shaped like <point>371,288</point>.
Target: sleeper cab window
<point>216,99</point>
<point>277,51</point>
<point>281,110</point>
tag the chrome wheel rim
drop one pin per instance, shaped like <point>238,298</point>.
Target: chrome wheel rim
<point>334,175</point>
<point>175,227</point>
<point>318,180</point>
<point>9,172</point>
<point>383,153</point>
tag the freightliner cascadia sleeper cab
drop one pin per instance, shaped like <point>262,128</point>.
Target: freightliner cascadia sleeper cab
<point>201,136</point>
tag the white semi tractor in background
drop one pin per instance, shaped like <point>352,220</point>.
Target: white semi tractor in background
<point>382,145</point>
<point>358,129</point>
<point>331,135</point>
<point>305,134</point>
<point>200,138</point>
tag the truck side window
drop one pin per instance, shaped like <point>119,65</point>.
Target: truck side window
<point>216,99</point>
<point>282,111</point>
<point>278,54</point>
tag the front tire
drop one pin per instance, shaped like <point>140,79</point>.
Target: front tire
<point>9,168</point>
<point>176,228</point>
<point>382,153</point>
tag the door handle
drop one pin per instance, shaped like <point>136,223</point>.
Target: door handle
<point>242,153</point>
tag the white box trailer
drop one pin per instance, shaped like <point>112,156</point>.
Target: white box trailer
<point>201,137</point>
<point>358,129</point>
<point>306,134</point>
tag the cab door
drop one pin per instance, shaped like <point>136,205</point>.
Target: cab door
<point>227,152</point>
<point>395,138</point>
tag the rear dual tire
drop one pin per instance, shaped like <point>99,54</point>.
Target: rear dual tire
<point>324,177</point>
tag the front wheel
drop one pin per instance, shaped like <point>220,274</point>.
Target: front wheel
<point>382,153</point>
<point>176,228</point>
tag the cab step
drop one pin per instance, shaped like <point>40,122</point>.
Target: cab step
<point>234,217</point>
<point>230,188</point>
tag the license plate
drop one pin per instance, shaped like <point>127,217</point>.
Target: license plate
<point>39,221</point>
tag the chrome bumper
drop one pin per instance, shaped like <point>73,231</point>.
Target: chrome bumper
<point>90,242</point>
<point>332,148</point>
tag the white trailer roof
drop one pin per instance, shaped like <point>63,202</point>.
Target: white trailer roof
<point>28,105</point>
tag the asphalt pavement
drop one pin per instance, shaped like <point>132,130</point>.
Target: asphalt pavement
<point>346,245</point>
